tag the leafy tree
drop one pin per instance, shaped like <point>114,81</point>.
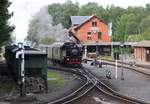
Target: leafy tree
<point>5,28</point>
<point>89,9</point>
<point>146,35</point>
<point>145,24</point>
<point>61,12</point>
<point>57,12</point>
<point>118,37</point>
<point>140,37</point>
<point>69,9</point>
<point>135,38</point>
<point>114,13</point>
<point>125,22</point>
<point>132,28</point>
<point>33,32</point>
<point>132,21</point>
<point>148,8</point>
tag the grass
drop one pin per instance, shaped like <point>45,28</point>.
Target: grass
<point>106,57</point>
<point>55,79</point>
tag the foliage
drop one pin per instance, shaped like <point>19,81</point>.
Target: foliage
<point>61,12</point>
<point>122,50</point>
<point>145,23</point>
<point>146,35</point>
<point>126,22</point>
<point>89,9</point>
<point>140,37</point>
<point>5,28</point>
<point>134,38</point>
<point>32,32</point>
<point>130,24</point>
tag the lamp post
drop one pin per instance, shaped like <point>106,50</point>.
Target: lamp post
<point>97,49</point>
<point>85,51</point>
<point>122,70</point>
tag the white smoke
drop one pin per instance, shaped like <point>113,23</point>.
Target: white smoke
<point>45,27</point>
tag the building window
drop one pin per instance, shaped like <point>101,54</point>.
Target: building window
<point>94,24</point>
<point>99,35</point>
<point>89,38</point>
<point>89,35</point>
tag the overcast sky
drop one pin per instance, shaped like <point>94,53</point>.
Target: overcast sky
<point>25,9</point>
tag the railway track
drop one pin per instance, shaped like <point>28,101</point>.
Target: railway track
<point>78,93</point>
<point>102,87</point>
<point>91,82</point>
<point>135,67</point>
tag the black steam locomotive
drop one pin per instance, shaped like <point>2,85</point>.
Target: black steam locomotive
<point>65,53</point>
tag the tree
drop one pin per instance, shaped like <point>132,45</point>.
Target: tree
<point>146,35</point>
<point>33,32</point>
<point>132,28</point>
<point>125,22</point>
<point>61,12</point>
<point>145,24</point>
<point>89,9</point>
<point>5,28</point>
<point>135,38</point>
<point>130,21</point>
<point>69,10</point>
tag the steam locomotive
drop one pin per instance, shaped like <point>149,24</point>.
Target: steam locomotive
<point>64,53</point>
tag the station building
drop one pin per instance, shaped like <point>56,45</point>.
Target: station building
<point>92,32</point>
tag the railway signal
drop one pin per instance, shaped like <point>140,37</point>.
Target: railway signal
<point>20,52</point>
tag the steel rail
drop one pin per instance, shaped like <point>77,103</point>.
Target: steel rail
<point>109,91</point>
<point>127,65</point>
<point>89,85</point>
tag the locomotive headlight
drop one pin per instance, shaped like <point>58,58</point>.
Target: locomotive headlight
<point>67,59</point>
